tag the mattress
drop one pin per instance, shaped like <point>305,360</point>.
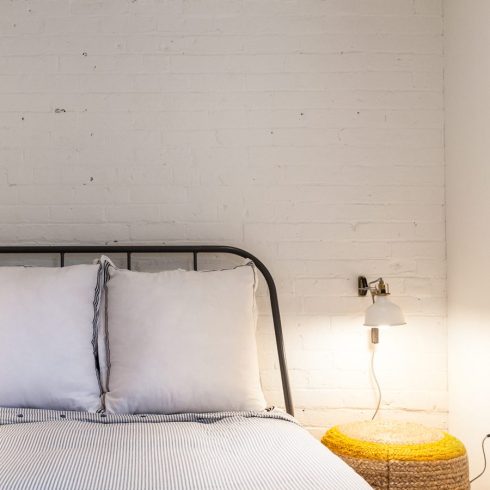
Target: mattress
<point>51,450</point>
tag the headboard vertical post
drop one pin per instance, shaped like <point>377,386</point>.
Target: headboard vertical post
<point>276,318</point>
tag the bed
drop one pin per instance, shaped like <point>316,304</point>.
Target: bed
<point>46,449</point>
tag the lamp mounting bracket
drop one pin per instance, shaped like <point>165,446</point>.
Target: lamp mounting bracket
<point>362,286</point>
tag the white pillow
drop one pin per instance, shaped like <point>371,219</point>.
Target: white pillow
<point>48,323</point>
<point>182,341</point>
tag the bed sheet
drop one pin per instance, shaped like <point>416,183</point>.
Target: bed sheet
<point>269,450</point>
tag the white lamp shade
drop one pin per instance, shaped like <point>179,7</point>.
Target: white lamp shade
<point>384,312</point>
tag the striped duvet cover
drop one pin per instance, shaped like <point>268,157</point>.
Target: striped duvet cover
<point>45,449</point>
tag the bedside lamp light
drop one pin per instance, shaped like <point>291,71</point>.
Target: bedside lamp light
<point>383,312</point>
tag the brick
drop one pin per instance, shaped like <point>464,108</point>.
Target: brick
<point>77,214</point>
<point>428,7</point>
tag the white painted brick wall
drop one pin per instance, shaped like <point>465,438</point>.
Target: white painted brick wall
<point>306,131</point>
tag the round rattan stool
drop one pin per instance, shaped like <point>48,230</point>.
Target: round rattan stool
<point>401,455</point>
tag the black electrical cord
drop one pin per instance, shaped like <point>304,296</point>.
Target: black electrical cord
<point>373,373</point>
<point>484,458</point>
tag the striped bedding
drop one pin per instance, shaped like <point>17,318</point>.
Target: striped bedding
<point>46,449</point>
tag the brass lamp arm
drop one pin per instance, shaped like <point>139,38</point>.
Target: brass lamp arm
<point>377,287</point>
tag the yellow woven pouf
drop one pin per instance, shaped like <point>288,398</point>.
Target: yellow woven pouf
<point>401,455</point>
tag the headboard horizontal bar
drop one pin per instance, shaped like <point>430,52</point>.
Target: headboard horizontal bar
<point>61,250</point>
<point>56,249</point>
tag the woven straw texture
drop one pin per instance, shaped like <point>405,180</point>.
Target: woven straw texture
<point>400,455</point>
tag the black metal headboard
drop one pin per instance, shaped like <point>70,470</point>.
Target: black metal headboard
<point>191,249</point>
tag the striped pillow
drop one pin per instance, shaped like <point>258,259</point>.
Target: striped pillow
<point>48,337</point>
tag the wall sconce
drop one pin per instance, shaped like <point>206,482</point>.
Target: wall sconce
<point>383,312</point>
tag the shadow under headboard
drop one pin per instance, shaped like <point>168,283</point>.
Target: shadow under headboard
<point>128,250</point>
